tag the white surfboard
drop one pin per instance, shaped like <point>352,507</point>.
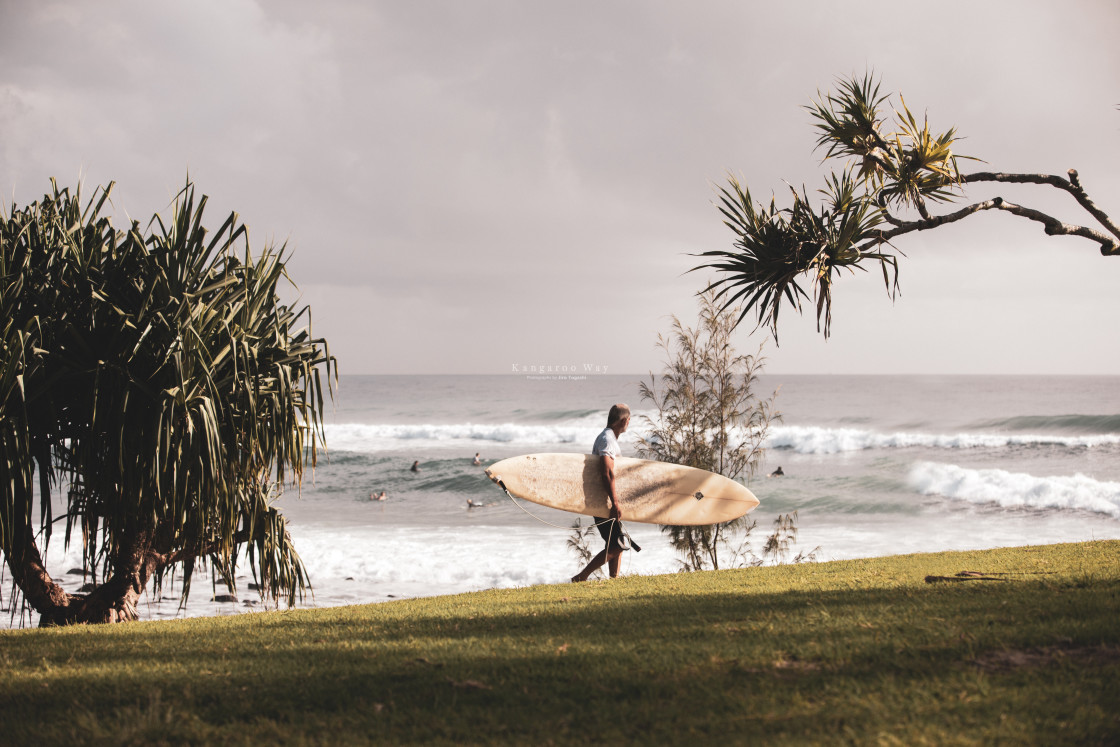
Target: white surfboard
<point>648,492</point>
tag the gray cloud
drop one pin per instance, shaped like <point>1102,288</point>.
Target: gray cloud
<point>451,173</point>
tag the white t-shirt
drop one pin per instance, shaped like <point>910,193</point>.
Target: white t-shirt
<point>607,443</point>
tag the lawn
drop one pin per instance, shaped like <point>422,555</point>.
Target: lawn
<point>864,651</point>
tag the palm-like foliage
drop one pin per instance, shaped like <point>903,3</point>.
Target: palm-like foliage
<point>849,123</point>
<point>775,248</point>
<point>900,169</point>
<point>161,380</point>
<point>920,165</point>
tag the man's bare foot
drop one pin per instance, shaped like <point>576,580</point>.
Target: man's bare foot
<point>576,579</point>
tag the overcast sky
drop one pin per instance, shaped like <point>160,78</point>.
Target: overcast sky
<point>473,186</point>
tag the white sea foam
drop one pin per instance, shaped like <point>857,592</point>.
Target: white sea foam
<point>371,438</point>
<point>355,561</point>
<point>421,561</point>
<point>359,437</point>
<point>1017,490</point>
<point>818,440</point>
<point>362,564</point>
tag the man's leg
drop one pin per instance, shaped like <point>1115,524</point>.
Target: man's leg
<point>595,564</point>
<point>614,547</point>
<point>603,525</point>
<point>614,560</point>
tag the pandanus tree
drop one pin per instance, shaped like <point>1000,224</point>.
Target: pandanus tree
<point>155,389</point>
<point>897,173</point>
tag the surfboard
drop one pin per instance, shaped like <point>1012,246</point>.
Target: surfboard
<point>648,492</point>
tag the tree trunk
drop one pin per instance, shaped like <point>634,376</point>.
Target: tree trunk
<point>693,553</point>
<point>111,602</point>
<point>31,576</point>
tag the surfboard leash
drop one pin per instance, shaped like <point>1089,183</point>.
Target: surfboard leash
<point>497,480</point>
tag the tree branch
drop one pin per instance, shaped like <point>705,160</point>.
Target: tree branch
<point>1053,226</point>
<point>904,227</point>
<point>1072,185</point>
<point>922,209</point>
<point>189,554</point>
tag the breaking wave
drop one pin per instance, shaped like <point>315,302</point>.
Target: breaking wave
<point>1016,490</point>
<point>366,438</point>
<point>357,437</point>
<point>818,440</point>
<point>1071,423</point>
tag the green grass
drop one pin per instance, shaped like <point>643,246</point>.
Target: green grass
<point>858,651</point>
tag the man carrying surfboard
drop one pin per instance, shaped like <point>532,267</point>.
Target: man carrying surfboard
<point>606,446</point>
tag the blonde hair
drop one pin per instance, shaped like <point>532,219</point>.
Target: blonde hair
<point>618,412</point>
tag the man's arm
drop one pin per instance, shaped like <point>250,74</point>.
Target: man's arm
<point>608,477</point>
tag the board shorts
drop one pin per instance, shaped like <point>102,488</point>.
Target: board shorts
<point>611,532</point>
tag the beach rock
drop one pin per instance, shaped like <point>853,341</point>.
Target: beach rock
<point>80,572</point>
<point>86,588</point>
<point>228,597</point>
<point>254,587</point>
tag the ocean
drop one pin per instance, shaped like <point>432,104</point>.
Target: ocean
<point>873,465</point>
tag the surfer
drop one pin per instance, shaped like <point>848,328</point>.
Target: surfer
<point>477,459</point>
<point>777,473</point>
<point>606,446</point>
<point>415,466</point>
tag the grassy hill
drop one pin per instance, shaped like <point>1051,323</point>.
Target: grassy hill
<point>863,651</point>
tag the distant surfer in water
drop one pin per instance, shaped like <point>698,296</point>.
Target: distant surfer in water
<point>415,466</point>
<point>606,446</point>
<point>477,459</point>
